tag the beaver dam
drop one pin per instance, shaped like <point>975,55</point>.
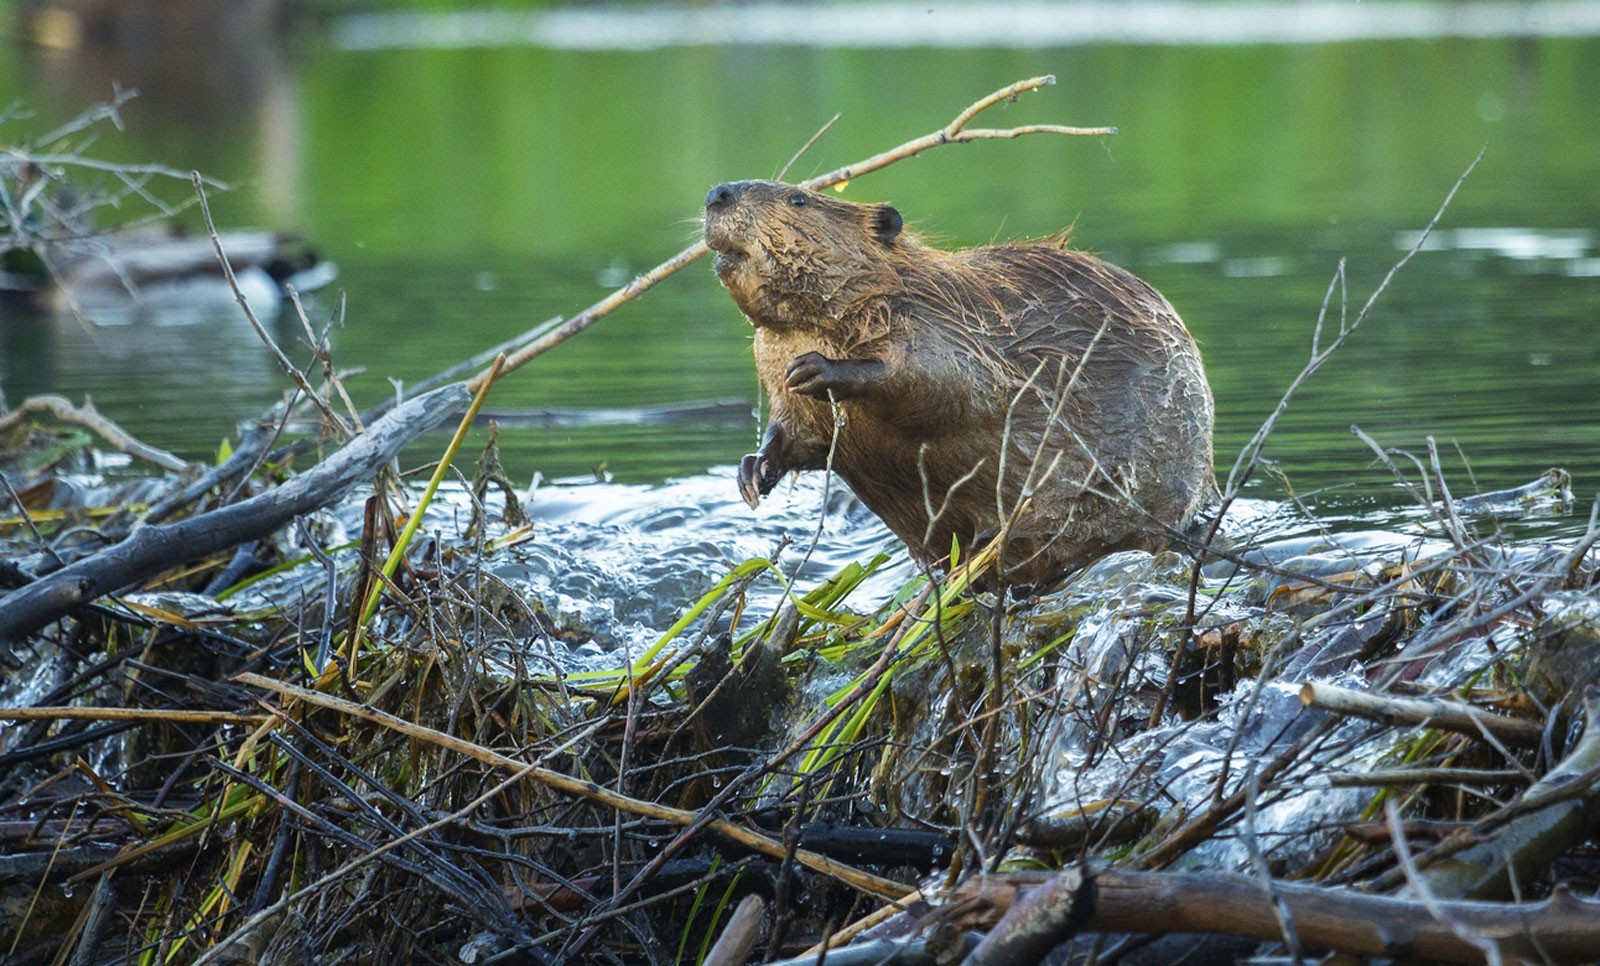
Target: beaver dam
<point>320,702</point>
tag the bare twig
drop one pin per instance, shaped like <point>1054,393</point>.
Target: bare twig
<point>1251,454</point>
<point>289,369</point>
<point>79,161</point>
<point>1430,712</point>
<point>89,418</point>
<point>27,519</point>
<point>176,716</point>
<point>1249,458</point>
<point>807,146</point>
<point>545,338</point>
<point>1412,777</point>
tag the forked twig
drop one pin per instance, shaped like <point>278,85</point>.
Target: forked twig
<point>90,418</point>
<point>1250,455</point>
<point>1249,458</point>
<point>543,339</point>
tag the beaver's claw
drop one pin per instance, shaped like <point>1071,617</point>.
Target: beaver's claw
<point>750,479</point>
<point>757,477</point>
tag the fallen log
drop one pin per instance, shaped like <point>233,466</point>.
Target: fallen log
<point>1025,912</point>
<point>1039,914</point>
<point>150,550</point>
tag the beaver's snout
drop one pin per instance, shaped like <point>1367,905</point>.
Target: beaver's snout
<point>721,233</point>
<point>723,195</point>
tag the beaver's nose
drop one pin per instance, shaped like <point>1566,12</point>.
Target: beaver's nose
<point>722,194</point>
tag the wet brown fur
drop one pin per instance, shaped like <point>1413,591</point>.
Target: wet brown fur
<point>1084,370</point>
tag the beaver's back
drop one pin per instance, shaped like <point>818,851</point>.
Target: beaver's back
<point>1083,370</point>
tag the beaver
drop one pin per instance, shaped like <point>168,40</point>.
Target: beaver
<point>1023,385</point>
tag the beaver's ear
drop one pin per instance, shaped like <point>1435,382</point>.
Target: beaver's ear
<point>886,222</point>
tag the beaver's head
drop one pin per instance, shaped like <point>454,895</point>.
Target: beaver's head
<point>793,256</point>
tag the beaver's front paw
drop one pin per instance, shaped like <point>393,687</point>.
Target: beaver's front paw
<point>814,374</point>
<point>811,375</point>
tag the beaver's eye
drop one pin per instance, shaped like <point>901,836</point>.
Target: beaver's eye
<point>799,201</point>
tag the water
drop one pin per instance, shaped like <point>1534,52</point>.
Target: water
<point>469,194</point>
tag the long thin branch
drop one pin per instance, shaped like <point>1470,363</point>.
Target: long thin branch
<point>289,369</point>
<point>872,884</point>
<point>956,132</point>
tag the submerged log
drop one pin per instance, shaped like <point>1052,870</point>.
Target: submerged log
<point>153,549</point>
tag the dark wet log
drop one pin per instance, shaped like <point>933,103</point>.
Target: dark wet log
<point>1102,824</point>
<point>153,549</point>
<point>1561,929</point>
<point>36,750</point>
<point>733,703</point>
<point>877,846</point>
<point>880,846</point>
<point>102,908</point>
<point>15,835</point>
<point>54,861</point>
